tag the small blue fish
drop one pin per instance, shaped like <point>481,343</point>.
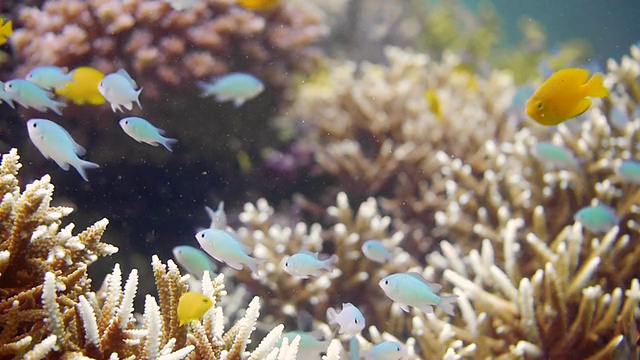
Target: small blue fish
<point>598,219</point>
<point>31,95</point>
<point>120,90</point>
<point>350,319</point>
<point>6,96</point>
<point>143,131</point>
<point>49,77</point>
<point>553,156</point>
<point>387,350</point>
<point>375,251</point>
<point>305,264</point>
<point>629,171</point>
<point>236,87</point>
<point>411,289</point>
<point>54,142</point>
<point>195,261</point>
<point>218,217</point>
<point>225,247</point>
<point>309,347</point>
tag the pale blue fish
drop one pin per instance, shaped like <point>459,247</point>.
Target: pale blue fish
<point>598,219</point>
<point>236,87</point>
<point>120,90</point>
<point>629,171</point>
<point>411,289</point>
<point>350,319</point>
<point>310,347</point>
<point>6,96</point>
<point>143,131</point>
<point>305,264</point>
<point>218,217</point>
<point>225,247</point>
<point>182,4</point>
<point>195,261</point>
<point>54,142</point>
<point>375,251</point>
<point>31,95</point>
<point>554,156</point>
<point>49,77</point>
<point>387,350</point>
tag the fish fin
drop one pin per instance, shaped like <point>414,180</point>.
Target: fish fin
<point>238,102</point>
<point>446,304</point>
<point>253,263</point>
<point>234,265</point>
<point>167,142</point>
<point>206,89</point>
<point>583,105</point>
<point>432,286</point>
<point>57,107</point>
<point>63,165</point>
<point>138,98</point>
<point>435,288</point>
<point>328,263</point>
<point>427,309</point>
<point>331,315</point>
<point>84,165</point>
<point>404,307</point>
<point>128,106</point>
<point>595,86</point>
<point>125,74</point>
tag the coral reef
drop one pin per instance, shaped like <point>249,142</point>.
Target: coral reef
<point>532,281</point>
<point>162,47</point>
<point>49,311</point>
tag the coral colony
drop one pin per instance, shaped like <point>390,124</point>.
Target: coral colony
<point>452,226</point>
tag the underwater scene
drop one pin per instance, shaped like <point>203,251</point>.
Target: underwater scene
<point>319,179</point>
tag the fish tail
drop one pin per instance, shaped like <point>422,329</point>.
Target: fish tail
<point>138,99</point>
<point>253,264</point>
<point>167,142</point>
<point>331,315</point>
<point>446,303</point>
<point>595,86</point>
<point>57,107</point>
<point>6,28</point>
<point>330,262</point>
<point>83,165</point>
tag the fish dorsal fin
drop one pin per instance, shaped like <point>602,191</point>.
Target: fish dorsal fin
<point>435,288</point>
<point>310,253</point>
<point>125,74</point>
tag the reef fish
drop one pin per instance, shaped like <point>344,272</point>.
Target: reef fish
<point>182,4</point>
<point>564,96</point>
<point>31,95</point>
<point>225,247</point>
<point>375,251</point>
<point>6,30</point>
<point>218,217</point>
<point>597,219</point>
<point>433,101</point>
<point>309,347</point>
<point>6,96</point>
<point>143,131</point>
<point>83,89</point>
<point>305,264</point>
<point>350,319</point>
<point>119,89</point>
<point>195,261</point>
<point>54,142</point>
<point>629,171</point>
<point>554,156</point>
<point>411,289</point>
<point>49,77</point>
<point>236,87</point>
<point>386,350</point>
<point>258,5</point>
<point>192,306</point>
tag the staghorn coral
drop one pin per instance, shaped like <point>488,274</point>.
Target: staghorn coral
<point>163,47</point>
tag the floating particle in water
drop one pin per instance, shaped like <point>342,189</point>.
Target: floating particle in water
<point>597,219</point>
<point>554,156</point>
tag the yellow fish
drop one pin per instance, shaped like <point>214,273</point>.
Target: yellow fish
<point>84,87</point>
<point>564,96</point>
<point>258,5</point>
<point>192,306</point>
<point>5,30</point>
<point>433,101</point>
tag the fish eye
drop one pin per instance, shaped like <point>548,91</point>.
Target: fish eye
<point>539,105</point>
<point>202,236</point>
<point>356,320</point>
<point>286,264</point>
<point>35,125</point>
<point>386,282</point>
